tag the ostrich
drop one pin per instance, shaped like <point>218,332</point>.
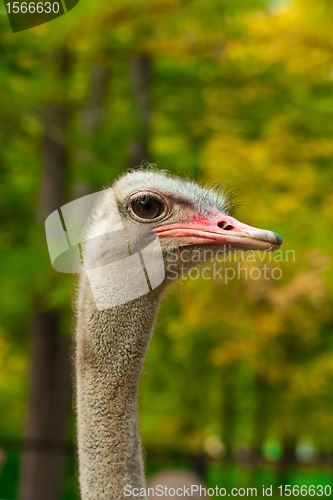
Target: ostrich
<point>111,344</point>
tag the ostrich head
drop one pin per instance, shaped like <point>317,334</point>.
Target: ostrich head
<point>182,214</point>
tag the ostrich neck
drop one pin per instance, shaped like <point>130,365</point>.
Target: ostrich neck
<point>111,348</point>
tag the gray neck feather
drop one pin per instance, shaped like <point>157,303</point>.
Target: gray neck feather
<point>111,346</point>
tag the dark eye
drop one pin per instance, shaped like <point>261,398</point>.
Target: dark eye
<point>147,207</point>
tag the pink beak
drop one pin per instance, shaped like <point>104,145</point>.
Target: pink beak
<point>222,230</point>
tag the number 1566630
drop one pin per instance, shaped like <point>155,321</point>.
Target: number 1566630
<point>32,7</point>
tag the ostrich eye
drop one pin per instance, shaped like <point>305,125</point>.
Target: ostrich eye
<point>147,207</point>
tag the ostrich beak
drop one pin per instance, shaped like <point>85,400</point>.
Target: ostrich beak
<point>222,230</point>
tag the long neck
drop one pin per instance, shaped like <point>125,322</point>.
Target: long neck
<point>111,348</point>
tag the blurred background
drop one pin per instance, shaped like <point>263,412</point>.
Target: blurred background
<point>238,379</point>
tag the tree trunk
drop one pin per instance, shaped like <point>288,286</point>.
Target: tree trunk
<point>288,460</point>
<point>54,160</point>
<point>48,403</point>
<point>140,77</point>
<point>93,109</point>
<point>48,408</point>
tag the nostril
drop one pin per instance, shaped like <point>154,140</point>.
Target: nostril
<point>225,225</point>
